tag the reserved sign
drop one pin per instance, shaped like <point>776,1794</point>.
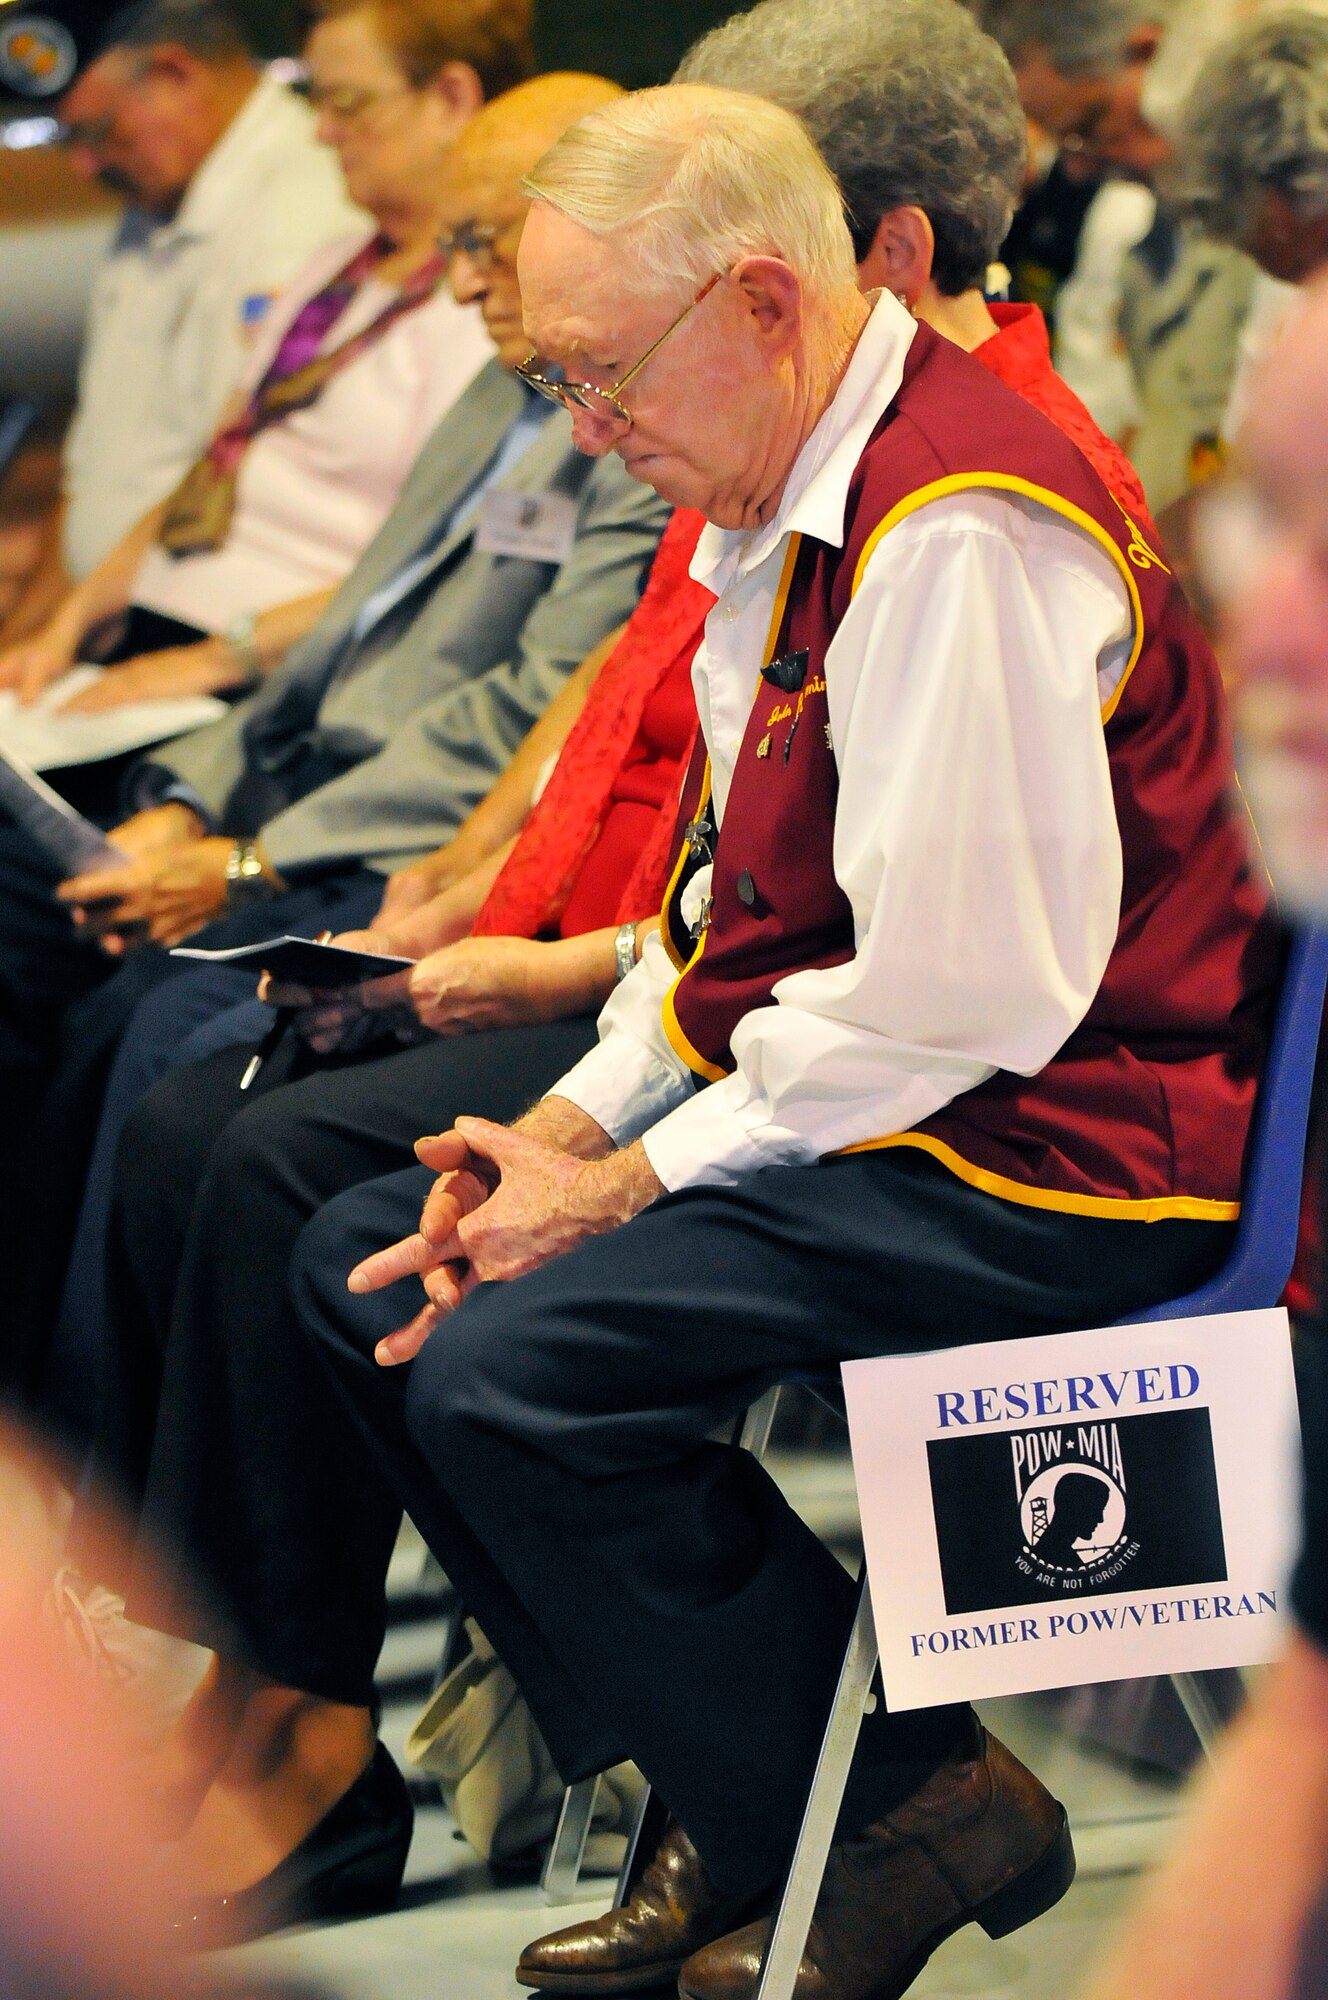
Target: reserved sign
<point>1079,1507</point>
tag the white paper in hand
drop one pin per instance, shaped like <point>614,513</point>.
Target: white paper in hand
<point>74,842</point>
<point>47,740</point>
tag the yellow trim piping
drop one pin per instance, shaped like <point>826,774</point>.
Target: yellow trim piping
<point>665,928</point>
<point>672,1027</point>
<point>782,589</point>
<point>1159,1208</point>
<point>1010,482</point>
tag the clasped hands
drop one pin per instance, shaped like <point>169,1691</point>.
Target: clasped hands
<point>173,881</point>
<point>506,1201</point>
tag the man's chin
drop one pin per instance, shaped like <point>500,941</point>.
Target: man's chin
<point>669,479</point>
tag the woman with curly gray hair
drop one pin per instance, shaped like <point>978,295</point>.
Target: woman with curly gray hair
<point>1253,155</point>
<point>910,104</point>
<point>916,112</point>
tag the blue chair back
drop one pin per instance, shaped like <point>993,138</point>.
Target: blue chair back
<point>1264,1249</point>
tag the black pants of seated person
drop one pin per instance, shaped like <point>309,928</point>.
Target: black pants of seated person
<point>651,1590</point>
<point>63,1007</point>
<point>218,1430</point>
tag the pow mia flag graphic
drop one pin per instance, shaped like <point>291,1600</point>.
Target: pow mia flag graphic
<point>1072,1507</point>
<point>1075,1510</point>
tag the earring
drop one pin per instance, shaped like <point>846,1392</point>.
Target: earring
<point>903,300</point>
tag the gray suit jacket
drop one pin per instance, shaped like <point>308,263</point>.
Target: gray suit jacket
<point>375,751</point>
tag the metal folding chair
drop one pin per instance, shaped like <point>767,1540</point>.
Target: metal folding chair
<point>1254,1275</point>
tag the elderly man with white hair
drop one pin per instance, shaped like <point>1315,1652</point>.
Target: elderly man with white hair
<point>954,1025</point>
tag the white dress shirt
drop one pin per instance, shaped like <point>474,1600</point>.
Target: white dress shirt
<point>1090,353</point>
<point>314,489</point>
<point>975,835</point>
<point>173,308</point>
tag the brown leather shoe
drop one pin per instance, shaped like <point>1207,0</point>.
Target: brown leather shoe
<point>673,1911</point>
<point>981,1842</point>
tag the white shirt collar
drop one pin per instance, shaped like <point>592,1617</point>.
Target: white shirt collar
<point>816,492</point>
<point>209,198</point>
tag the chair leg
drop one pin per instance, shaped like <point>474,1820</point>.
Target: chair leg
<point>562,1869</point>
<point>647,1831</point>
<point>853,1698</point>
<point>1204,1716</point>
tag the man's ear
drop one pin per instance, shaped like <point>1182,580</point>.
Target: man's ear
<point>771,292</point>
<point>899,257</point>
<point>460,94</point>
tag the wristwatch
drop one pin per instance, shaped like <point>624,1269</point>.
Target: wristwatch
<point>240,639</point>
<point>247,881</point>
<point>624,949</point>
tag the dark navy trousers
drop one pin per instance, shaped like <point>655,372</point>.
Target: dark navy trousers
<point>651,1590</point>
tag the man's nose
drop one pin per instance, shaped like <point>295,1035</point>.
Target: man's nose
<point>469,283</point>
<point>595,436</point>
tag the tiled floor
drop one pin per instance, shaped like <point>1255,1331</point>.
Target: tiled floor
<point>459,1930</point>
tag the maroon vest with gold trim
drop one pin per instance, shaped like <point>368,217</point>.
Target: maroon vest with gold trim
<point>1145,1110</point>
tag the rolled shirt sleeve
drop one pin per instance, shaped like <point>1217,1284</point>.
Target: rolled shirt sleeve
<point>632,1078</point>
<point>975,839</point>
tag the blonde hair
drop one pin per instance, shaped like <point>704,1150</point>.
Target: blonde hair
<point>694,179</point>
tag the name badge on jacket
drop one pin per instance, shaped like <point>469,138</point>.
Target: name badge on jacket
<point>541,527</point>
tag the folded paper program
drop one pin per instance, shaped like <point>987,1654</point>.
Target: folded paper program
<point>304,961</point>
<point>72,841</point>
<point>48,740</point>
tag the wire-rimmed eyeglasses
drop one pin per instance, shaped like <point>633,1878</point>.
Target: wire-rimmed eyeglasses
<point>548,379</point>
